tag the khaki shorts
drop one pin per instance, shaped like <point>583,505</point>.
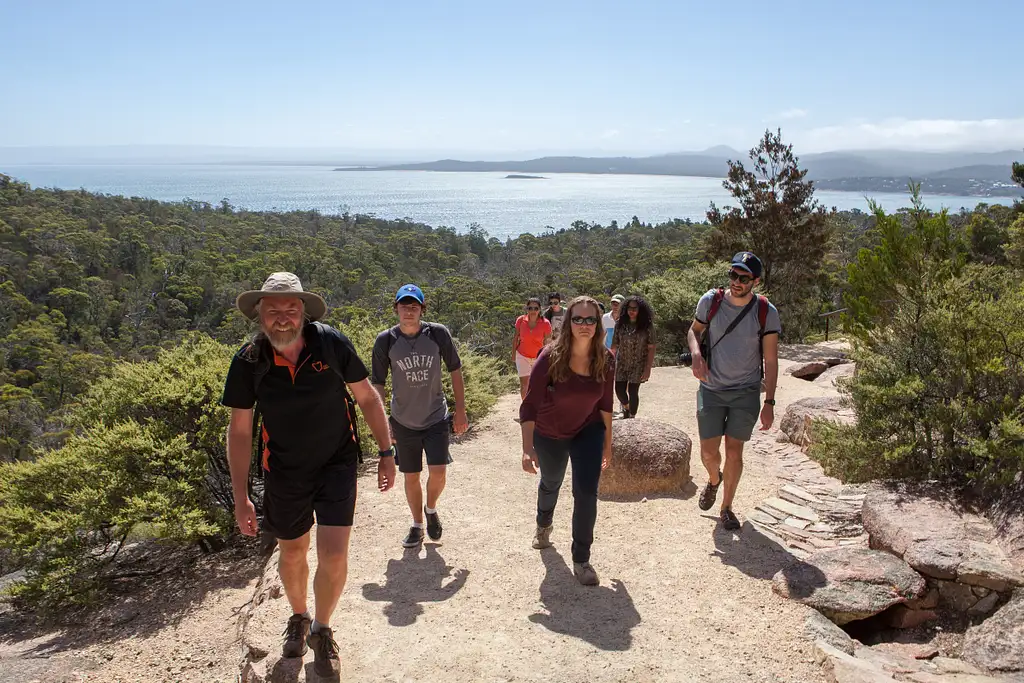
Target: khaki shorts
<point>731,413</point>
<point>524,365</point>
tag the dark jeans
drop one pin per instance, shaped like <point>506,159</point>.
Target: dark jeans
<point>629,395</point>
<point>585,450</point>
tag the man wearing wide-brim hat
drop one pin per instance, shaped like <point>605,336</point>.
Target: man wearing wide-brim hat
<point>302,373</point>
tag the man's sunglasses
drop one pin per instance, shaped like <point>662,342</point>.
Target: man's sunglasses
<point>742,279</point>
<point>533,308</point>
<point>580,320</point>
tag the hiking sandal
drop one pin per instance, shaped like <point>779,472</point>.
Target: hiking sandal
<point>709,494</point>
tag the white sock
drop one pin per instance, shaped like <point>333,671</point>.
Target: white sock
<point>317,626</point>
<point>306,615</point>
<point>419,525</point>
<point>430,511</point>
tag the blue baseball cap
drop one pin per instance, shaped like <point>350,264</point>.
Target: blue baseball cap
<point>748,261</point>
<point>410,291</point>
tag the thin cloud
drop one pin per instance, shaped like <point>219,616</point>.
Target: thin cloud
<point>610,133</point>
<point>916,134</point>
<point>795,113</point>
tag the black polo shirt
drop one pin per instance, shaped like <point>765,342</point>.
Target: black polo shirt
<point>305,419</point>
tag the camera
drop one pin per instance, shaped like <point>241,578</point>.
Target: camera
<point>686,358</point>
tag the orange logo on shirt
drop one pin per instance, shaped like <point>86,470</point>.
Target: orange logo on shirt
<point>319,367</point>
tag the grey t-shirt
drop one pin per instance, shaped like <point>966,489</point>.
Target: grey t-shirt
<point>736,360</point>
<point>417,399</point>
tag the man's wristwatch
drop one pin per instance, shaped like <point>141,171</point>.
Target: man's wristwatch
<point>769,401</point>
<point>386,454</point>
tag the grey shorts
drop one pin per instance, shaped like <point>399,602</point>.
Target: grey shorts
<point>731,413</point>
<point>412,443</point>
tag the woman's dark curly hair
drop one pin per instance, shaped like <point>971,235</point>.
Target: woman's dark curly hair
<point>644,317</point>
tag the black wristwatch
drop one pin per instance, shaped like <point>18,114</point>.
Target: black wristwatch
<point>386,454</point>
<point>769,401</point>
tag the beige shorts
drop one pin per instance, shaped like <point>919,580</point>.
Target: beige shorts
<point>524,364</point>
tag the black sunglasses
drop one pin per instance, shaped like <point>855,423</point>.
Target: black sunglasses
<point>742,279</point>
<point>580,320</point>
<point>632,308</point>
<point>533,308</point>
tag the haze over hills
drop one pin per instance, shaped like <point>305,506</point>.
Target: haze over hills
<point>958,173</point>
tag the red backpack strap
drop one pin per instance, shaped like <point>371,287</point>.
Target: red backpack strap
<point>716,302</point>
<point>762,312</point>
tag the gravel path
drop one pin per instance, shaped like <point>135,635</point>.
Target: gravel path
<point>680,599</point>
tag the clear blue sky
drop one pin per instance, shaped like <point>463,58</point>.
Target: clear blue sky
<point>516,76</point>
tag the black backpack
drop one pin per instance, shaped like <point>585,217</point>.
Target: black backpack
<point>263,362</point>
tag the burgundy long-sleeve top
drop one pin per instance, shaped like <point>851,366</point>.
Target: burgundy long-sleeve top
<point>561,409</point>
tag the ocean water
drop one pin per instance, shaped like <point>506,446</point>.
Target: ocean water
<point>503,207</point>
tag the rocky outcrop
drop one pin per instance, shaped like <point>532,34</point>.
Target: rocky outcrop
<point>809,371</point>
<point>648,457</point>
<point>997,644</point>
<point>800,415</point>
<point>955,550</point>
<point>830,376</point>
<point>878,664</point>
<point>846,584</point>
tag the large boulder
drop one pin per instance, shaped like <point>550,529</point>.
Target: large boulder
<point>800,415</point>
<point>846,584</point>
<point>941,542</point>
<point>648,457</point>
<point>809,371</point>
<point>834,373</point>
<point>997,644</point>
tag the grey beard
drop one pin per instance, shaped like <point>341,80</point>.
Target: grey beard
<point>281,340</point>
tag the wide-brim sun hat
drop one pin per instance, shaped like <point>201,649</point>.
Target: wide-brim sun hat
<point>281,285</point>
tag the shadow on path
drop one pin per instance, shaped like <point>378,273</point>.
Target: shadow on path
<point>760,557</point>
<point>412,580</point>
<point>603,616</point>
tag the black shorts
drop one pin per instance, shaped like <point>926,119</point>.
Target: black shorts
<point>410,444</point>
<point>289,504</point>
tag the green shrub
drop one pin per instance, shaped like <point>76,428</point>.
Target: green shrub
<point>674,295</point>
<point>939,388</point>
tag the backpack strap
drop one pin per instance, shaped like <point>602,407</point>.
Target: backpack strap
<point>762,320</point>
<point>716,303</point>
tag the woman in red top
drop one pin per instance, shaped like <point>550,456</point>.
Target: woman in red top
<point>532,332</point>
<point>567,415</point>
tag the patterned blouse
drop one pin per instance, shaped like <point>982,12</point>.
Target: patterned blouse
<point>631,352</point>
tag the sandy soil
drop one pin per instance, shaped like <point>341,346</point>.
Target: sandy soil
<point>680,599</point>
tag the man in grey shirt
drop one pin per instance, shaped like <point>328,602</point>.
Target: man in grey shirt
<point>742,348</point>
<point>413,351</point>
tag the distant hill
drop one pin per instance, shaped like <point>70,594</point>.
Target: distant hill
<point>970,173</point>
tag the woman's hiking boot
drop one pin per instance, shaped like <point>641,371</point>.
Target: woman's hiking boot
<point>542,538</point>
<point>295,636</point>
<point>709,494</point>
<point>325,653</point>
<point>585,574</point>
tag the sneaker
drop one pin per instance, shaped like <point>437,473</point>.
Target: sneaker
<point>325,653</point>
<point>542,538</point>
<point>585,574</point>
<point>414,538</point>
<point>434,527</point>
<point>710,492</point>
<point>295,636</point>
<point>729,520</point>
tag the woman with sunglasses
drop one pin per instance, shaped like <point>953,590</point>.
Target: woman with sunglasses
<point>633,346</point>
<point>567,416</point>
<point>532,333</point>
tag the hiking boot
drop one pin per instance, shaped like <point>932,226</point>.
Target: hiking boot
<point>295,636</point>
<point>434,527</point>
<point>710,492</point>
<point>325,653</point>
<point>585,574</point>
<point>729,520</point>
<point>542,538</point>
<point>414,538</point>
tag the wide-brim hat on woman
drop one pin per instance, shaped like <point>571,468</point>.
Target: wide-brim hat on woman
<point>281,285</point>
